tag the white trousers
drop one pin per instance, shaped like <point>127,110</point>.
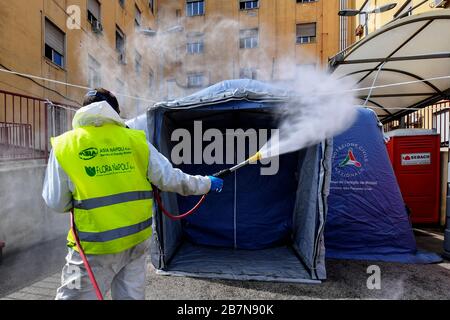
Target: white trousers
<point>123,273</point>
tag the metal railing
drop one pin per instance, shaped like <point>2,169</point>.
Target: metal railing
<point>435,116</point>
<point>26,123</point>
<point>15,140</point>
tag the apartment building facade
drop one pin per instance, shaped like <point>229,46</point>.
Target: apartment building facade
<point>87,43</point>
<point>268,40</point>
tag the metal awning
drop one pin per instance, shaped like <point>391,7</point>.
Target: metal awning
<point>413,52</point>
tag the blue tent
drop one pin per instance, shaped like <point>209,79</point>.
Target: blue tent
<point>261,227</point>
<point>366,217</point>
<point>271,228</point>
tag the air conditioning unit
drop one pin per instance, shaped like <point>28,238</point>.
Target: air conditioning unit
<point>149,32</point>
<point>439,3</point>
<point>97,27</point>
<point>122,58</point>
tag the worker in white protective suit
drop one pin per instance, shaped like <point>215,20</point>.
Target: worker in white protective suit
<point>103,171</point>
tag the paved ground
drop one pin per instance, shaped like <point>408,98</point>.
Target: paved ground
<point>346,279</point>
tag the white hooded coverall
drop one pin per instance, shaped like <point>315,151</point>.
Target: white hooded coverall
<point>123,273</point>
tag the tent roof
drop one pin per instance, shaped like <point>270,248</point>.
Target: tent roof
<point>408,49</point>
<point>228,90</point>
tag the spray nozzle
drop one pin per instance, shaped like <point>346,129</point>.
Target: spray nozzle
<point>253,159</point>
<point>256,157</point>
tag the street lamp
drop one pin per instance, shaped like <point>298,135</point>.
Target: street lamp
<point>349,12</point>
<point>354,12</point>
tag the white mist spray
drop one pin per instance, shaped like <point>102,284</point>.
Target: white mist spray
<point>322,108</point>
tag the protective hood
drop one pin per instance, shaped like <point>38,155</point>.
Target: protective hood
<point>97,114</point>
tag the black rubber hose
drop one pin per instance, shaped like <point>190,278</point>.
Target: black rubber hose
<point>222,174</point>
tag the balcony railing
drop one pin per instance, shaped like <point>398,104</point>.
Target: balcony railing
<point>26,123</point>
<point>435,117</point>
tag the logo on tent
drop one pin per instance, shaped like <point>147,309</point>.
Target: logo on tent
<point>350,160</point>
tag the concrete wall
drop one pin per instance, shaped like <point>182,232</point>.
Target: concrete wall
<point>24,218</point>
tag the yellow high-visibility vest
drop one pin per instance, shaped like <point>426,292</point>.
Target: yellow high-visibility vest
<point>112,197</point>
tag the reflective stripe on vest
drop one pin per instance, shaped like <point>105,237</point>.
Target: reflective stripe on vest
<point>114,234</point>
<point>93,203</point>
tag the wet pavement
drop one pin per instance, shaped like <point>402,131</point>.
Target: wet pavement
<point>35,275</point>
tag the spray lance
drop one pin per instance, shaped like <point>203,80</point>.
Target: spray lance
<point>226,172</point>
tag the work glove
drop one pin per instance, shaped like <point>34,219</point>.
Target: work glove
<point>216,184</point>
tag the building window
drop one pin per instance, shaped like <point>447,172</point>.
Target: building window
<point>120,40</point>
<point>195,8</point>
<point>305,67</point>
<point>138,63</point>
<point>196,80</point>
<point>54,43</point>
<point>248,5</point>
<point>120,89</point>
<point>171,86</point>
<point>93,11</point>
<point>94,73</point>
<point>137,17</point>
<point>306,32</point>
<point>248,39</point>
<point>151,5</point>
<point>120,45</point>
<point>93,15</point>
<point>138,106</point>
<point>151,79</point>
<point>122,3</point>
<point>306,1</point>
<point>248,73</point>
<point>195,47</point>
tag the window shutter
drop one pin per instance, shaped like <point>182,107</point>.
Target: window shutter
<point>306,30</point>
<point>94,8</point>
<point>54,37</point>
